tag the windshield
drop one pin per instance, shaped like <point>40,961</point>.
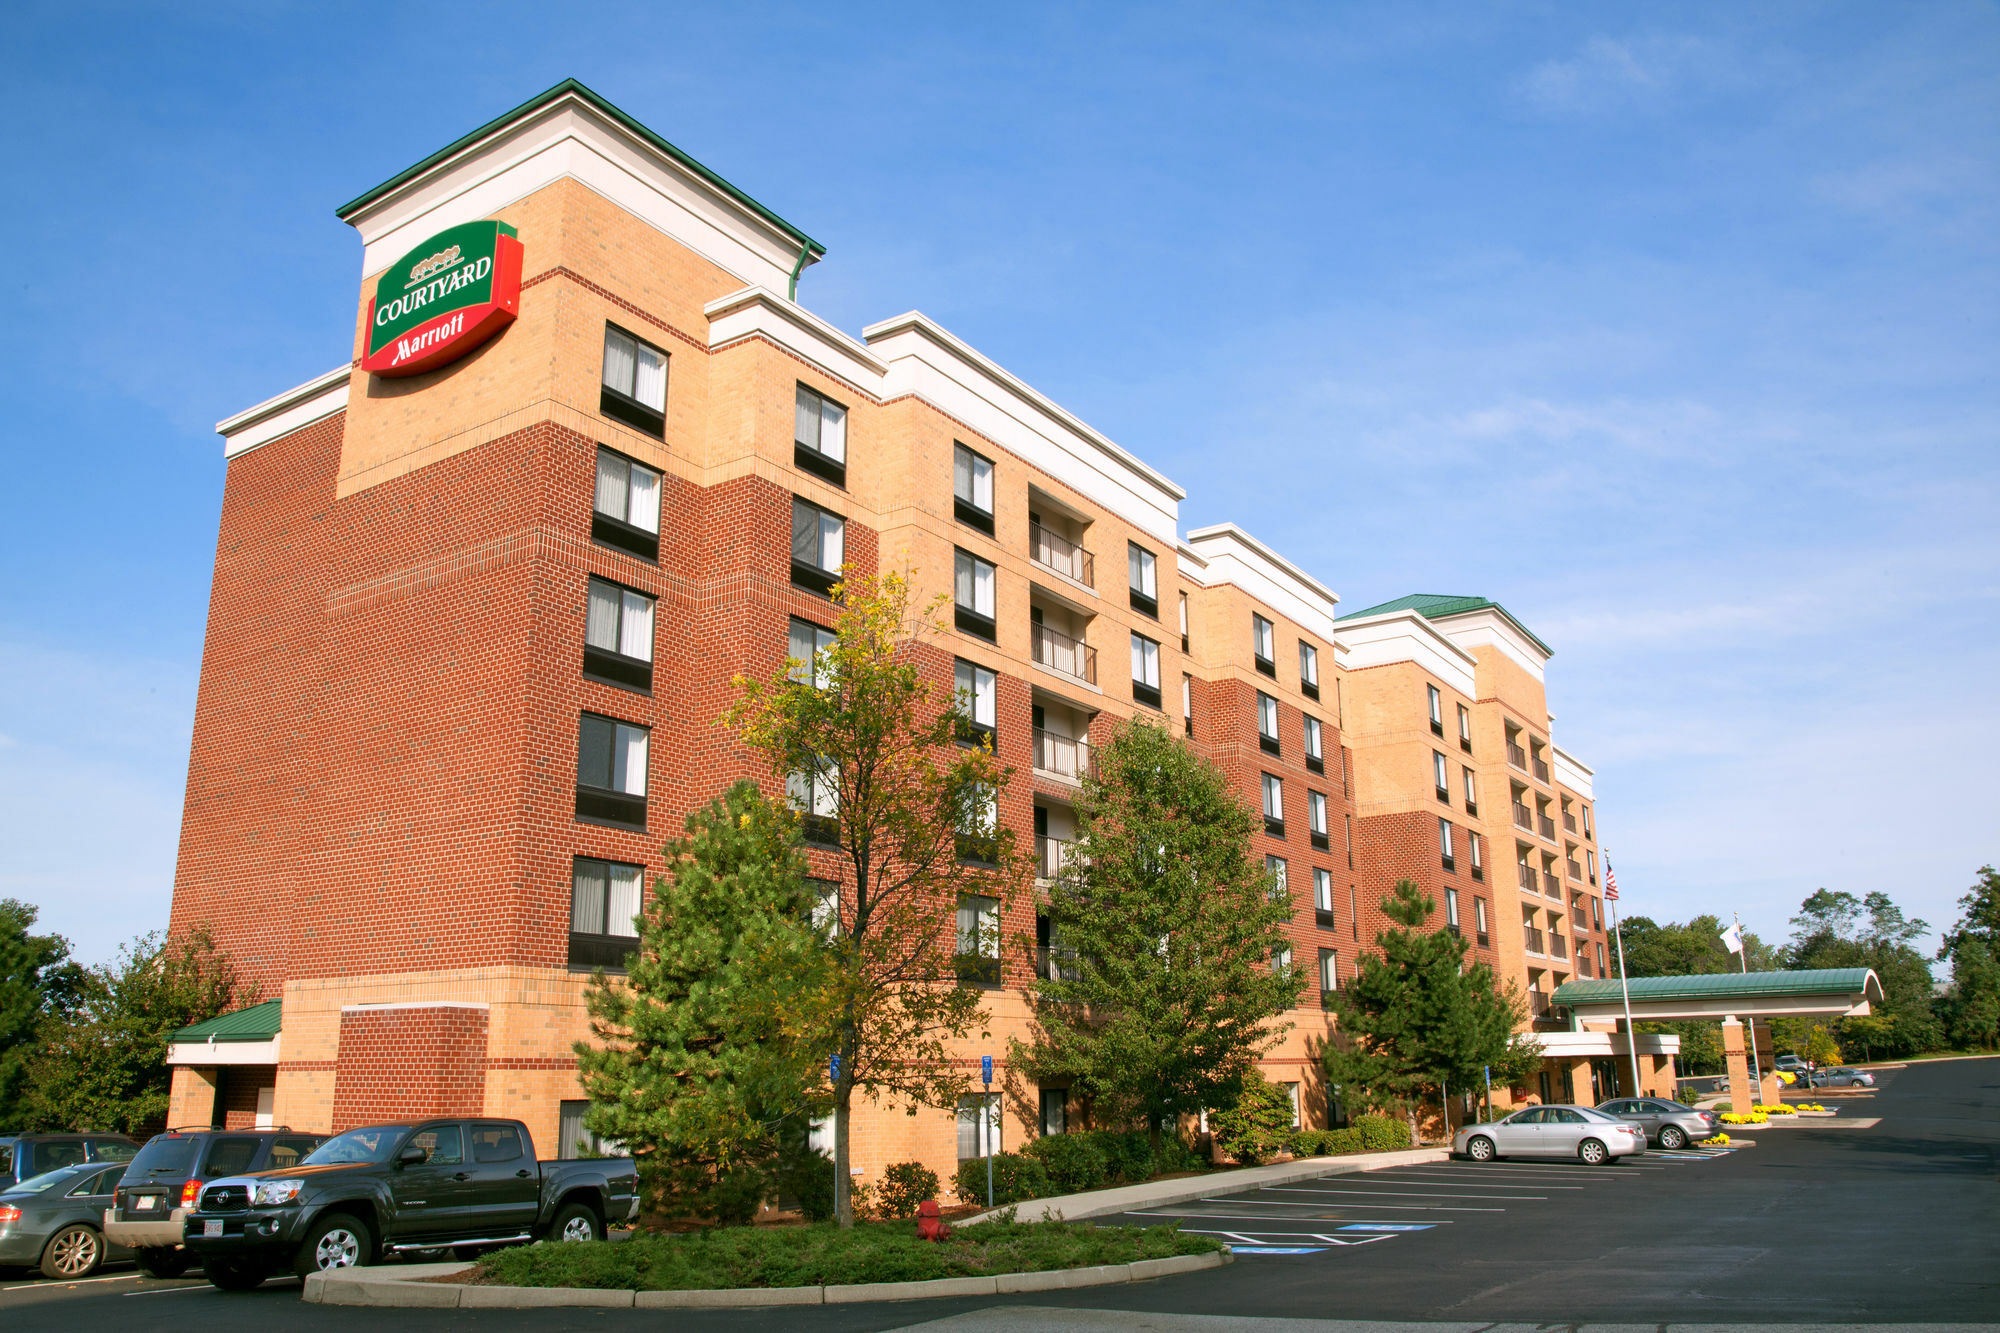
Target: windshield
<point>45,1181</point>
<point>170,1154</point>
<point>1589,1114</point>
<point>356,1145</point>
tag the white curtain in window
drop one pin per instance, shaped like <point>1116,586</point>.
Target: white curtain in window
<point>635,634</point>
<point>982,485</point>
<point>1308,664</point>
<point>1274,797</point>
<point>1442,773</point>
<point>622,906</point>
<point>1143,574</point>
<point>611,484</point>
<point>1444,836</point>
<point>806,423</point>
<point>586,902</point>
<point>1317,804</point>
<point>833,431</point>
<point>1312,738</point>
<point>1267,716</point>
<point>628,761</point>
<point>600,628</point>
<point>1145,661</point>
<point>649,383</point>
<point>1263,636</point>
<point>832,543</point>
<point>644,509</point>
<point>982,587</point>
<point>978,1125</point>
<point>1323,890</point>
<point>619,353</point>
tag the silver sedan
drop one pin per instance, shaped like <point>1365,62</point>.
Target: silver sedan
<point>1575,1132</point>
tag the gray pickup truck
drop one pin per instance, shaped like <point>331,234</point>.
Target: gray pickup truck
<point>382,1190</point>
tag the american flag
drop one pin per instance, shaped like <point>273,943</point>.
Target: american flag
<point>1610,882</point>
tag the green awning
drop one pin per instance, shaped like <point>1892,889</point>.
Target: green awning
<point>1719,986</point>
<point>258,1022</point>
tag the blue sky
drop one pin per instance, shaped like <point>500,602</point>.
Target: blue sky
<point>1673,328</point>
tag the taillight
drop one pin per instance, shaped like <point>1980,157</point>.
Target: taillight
<point>189,1193</point>
<point>9,1213</point>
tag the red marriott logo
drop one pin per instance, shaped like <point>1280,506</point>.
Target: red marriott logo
<point>444,298</point>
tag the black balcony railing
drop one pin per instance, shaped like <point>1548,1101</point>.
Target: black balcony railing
<point>1557,947</point>
<point>1527,877</point>
<point>1531,940</point>
<point>1055,551</point>
<point>1059,652</point>
<point>1524,819</point>
<point>1541,770</point>
<point>1569,821</point>
<point>1575,871</point>
<point>1547,827</point>
<point>1517,756</point>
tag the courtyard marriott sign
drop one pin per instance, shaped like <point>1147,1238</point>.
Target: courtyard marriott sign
<point>444,298</point>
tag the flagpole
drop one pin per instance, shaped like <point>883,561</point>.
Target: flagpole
<point>1624,985</point>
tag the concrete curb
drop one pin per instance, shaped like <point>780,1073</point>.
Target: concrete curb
<point>1159,1193</point>
<point>409,1289</point>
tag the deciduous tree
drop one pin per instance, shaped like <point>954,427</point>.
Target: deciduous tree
<point>37,983</point>
<point>1972,947</point>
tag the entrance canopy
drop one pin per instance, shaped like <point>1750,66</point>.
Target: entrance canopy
<point>1844,991</point>
<point>240,1037</point>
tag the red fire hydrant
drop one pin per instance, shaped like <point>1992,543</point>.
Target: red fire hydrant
<point>929,1225</point>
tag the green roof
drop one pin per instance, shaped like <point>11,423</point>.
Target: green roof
<point>1720,986</point>
<point>259,1022</point>
<point>566,87</point>
<point>1436,606</point>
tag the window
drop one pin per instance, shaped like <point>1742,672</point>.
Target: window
<point>815,793</point>
<point>1275,867</point>
<point>611,772</point>
<point>1184,623</point>
<point>1281,959</point>
<point>1464,728</point>
<point>229,1156</point>
<point>978,691</point>
<point>1144,579</point>
<point>1590,865</point>
<point>1600,960</point>
<point>1323,898</point>
<point>1316,818</point>
<point>1267,723</point>
<point>1451,910</point>
<point>972,488</point>
<point>635,382</point>
<point>808,641</point>
<point>604,905</point>
<point>1274,805</point>
<point>1596,914</point>
<point>1187,703</point>
<point>575,1139</point>
<point>972,595</point>
<point>1471,792</point>
<point>496,1143</point>
<point>825,906</point>
<point>819,437</point>
<point>978,823</point>
<point>1055,1111</point>
<point>1262,643</point>
<point>1145,671</point>
<point>1292,1091</point>
<point>1441,771</point>
<point>819,546</point>
<point>1444,843</point>
<point>1348,820</point>
<point>979,940</point>
<point>1308,670</point>
<point>1437,710</point>
<point>1329,970</point>
<point>618,636</point>
<point>978,1125</point>
<point>625,511</point>
<point>1586,824</point>
<point>1479,920</point>
<point>1477,848</point>
<point>1315,756</point>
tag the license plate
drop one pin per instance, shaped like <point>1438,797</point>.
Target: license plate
<point>211,1228</point>
<point>146,1203</point>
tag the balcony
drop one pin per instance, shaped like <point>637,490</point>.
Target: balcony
<point>1052,858</point>
<point>1547,827</point>
<point>1557,947</point>
<point>1527,876</point>
<point>1579,918</point>
<point>1569,821</point>
<point>1541,769</point>
<point>1575,871</point>
<point>1551,885</point>
<point>1523,819</point>
<point>1531,940</point>
<point>1517,756</point>
<point>1060,653</point>
<point>1538,1004</point>
<point>1052,550</point>
<point>1065,757</point>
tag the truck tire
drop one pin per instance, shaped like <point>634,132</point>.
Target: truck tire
<point>234,1274</point>
<point>337,1240</point>
<point>161,1260</point>
<point>576,1222</point>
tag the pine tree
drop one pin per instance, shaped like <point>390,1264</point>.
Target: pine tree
<point>708,1048</point>
<point>1415,1021</point>
<point>1168,933</point>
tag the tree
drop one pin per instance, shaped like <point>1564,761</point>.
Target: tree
<point>1836,929</point>
<point>1172,940</point>
<point>1415,1021</point>
<point>869,748</point>
<point>104,1065</point>
<point>1972,947</point>
<point>705,1051</point>
<point>37,980</point>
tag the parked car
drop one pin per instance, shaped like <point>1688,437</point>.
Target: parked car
<point>24,1154</point>
<point>162,1182</point>
<point>1843,1077</point>
<point>1792,1063</point>
<point>1577,1132</point>
<point>1669,1124</point>
<point>50,1221</point>
<point>401,1188</point>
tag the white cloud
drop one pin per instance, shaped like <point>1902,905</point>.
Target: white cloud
<point>1610,72</point>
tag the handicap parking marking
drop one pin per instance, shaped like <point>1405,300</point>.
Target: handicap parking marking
<point>1387,1226</point>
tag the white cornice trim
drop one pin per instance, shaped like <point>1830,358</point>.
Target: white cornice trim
<point>1192,566</point>
<point>758,311</point>
<point>1489,626</point>
<point>290,410</point>
<point>1573,773</point>
<point>1406,636</point>
<point>224,1052</point>
<point>1232,555</point>
<point>569,138</point>
<point>416,1004</point>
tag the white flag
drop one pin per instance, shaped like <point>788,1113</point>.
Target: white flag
<point>1732,939</point>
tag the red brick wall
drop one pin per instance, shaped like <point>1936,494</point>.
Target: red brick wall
<point>1405,846</point>
<point>240,1086</point>
<point>398,1061</point>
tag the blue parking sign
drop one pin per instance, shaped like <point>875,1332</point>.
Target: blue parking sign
<point>986,1069</point>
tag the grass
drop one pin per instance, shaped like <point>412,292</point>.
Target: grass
<point>824,1255</point>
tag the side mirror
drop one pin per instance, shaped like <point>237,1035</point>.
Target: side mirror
<point>412,1155</point>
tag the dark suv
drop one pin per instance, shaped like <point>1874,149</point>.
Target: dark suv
<point>27,1154</point>
<point>165,1179</point>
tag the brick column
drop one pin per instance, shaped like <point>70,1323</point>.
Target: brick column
<point>1741,1096</point>
<point>191,1095</point>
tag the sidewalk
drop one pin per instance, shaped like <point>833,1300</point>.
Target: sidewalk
<point>1155,1193</point>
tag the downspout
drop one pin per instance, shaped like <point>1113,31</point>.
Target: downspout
<point>805,253</point>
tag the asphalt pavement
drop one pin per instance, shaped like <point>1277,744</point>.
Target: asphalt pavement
<point>1894,1224</point>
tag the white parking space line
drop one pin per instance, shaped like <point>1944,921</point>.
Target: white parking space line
<point>1402,1194</point>
<point>1462,1179</point>
<point>52,1284</point>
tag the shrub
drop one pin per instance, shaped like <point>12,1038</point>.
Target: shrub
<point>904,1186</point>
<point>1325,1142</point>
<point>807,1179</point>
<point>1381,1133</point>
<point>1258,1125</point>
<point>1127,1157</point>
<point>1074,1163</point>
<point>1015,1178</point>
